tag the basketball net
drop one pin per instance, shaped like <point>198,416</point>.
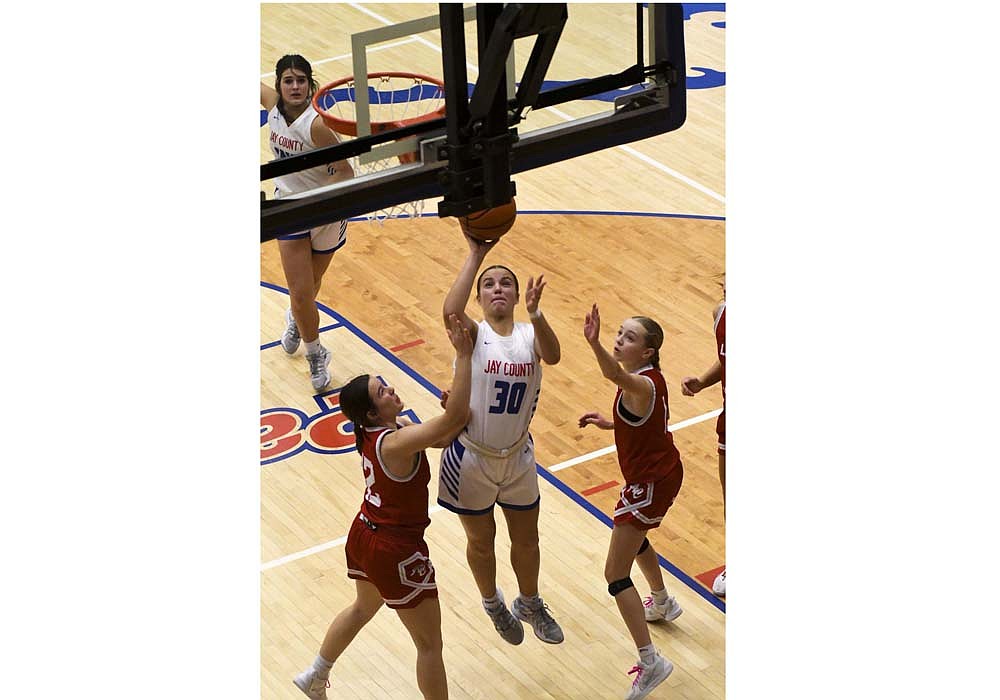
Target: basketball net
<point>395,99</point>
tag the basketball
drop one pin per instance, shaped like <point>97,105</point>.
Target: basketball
<point>490,224</point>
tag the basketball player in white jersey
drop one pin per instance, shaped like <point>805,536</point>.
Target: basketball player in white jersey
<point>296,127</point>
<point>492,462</point>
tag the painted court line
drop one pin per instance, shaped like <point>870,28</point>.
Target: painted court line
<point>546,474</point>
<point>600,487</point>
<point>411,344</point>
<point>608,450</point>
<point>434,509</point>
<point>347,56</point>
<point>562,115</point>
<point>319,548</point>
<point>276,343</point>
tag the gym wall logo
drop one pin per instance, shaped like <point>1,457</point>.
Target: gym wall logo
<point>285,432</point>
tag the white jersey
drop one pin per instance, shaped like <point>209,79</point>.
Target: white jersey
<point>506,380</point>
<point>291,140</point>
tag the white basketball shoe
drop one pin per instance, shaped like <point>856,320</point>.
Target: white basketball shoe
<point>290,338</point>
<point>668,612</point>
<point>319,372</point>
<point>648,676</point>
<point>719,586</point>
<point>313,686</point>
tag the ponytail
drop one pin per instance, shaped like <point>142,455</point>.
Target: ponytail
<point>654,338</point>
<point>356,402</point>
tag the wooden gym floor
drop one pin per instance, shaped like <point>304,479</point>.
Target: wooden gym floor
<point>639,229</point>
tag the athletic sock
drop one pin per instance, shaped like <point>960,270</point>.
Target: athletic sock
<point>660,596</point>
<point>493,602</point>
<point>322,667</point>
<point>647,654</point>
<point>532,601</point>
<point>313,347</point>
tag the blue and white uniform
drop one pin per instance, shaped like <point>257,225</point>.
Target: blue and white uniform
<point>291,140</point>
<point>493,459</point>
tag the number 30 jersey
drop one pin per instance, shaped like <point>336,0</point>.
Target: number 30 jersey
<point>506,380</point>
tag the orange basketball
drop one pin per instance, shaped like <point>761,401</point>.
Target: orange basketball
<point>490,224</point>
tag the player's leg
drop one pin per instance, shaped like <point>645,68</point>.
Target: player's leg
<point>519,498</point>
<point>722,475</point>
<point>658,605</point>
<point>649,565</point>
<point>465,489</point>
<point>423,622</point>
<point>652,668</point>
<point>480,534</point>
<point>525,557</point>
<point>719,585</point>
<point>625,542</point>
<point>351,619</point>
<point>297,263</point>
<point>341,632</point>
<point>321,262</point>
<point>326,240</point>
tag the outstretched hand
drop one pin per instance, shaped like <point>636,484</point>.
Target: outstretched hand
<point>478,246</point>
<point>597,419</point>
<point>533,294</point>
<point>459,336</point>
<point>691,386</point>
<point>592,325</point>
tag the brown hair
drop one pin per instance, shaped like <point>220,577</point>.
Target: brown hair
<point>654,337</point>
<point>494,267</point>
<point>296,62</point>
<point>356,402</point>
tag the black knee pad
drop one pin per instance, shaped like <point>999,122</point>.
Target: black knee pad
<point>622,584</point>
<point>645,545</point>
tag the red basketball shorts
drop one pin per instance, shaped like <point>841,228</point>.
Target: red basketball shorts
<point>399,569</point>
<point>644,505</point>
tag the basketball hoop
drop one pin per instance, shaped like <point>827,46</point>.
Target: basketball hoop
<point>395,99</point>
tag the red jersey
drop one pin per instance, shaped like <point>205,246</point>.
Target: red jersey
<point>646,450</point>
<point>396,506</point>
<point>720,341</point>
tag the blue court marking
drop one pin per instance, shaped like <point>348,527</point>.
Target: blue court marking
<point>690,582</point>
<point>545,474</point>
<point>268,346</point>
<point>582,212</point>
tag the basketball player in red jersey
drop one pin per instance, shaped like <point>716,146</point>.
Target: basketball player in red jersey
<point>651,466</point>
<point>386,553</point>
<point>692,385</point>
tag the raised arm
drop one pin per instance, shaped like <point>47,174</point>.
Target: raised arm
<point>637,389</point>
<point>399,446</point>
<point>461,288</point>
<point>268,97</point>
<point>546,342</point>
